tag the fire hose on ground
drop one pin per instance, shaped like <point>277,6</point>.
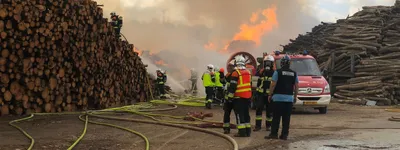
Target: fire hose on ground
<point>393,118</point>
<point>141,110</point>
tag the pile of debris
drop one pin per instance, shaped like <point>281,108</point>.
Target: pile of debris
<point>373,36</point>
<point>64,56</point>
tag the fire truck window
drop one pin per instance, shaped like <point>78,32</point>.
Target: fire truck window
<point>303,67</point>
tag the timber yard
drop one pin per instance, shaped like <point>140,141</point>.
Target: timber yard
<point>74,77</point>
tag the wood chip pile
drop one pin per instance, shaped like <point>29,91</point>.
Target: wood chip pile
<point>373,35</point>
<point>64,56</point>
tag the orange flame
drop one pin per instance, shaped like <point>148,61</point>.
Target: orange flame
<point>253,31</point>
<point>210,46</point>
<point>161,62</point>
<point>137,51</point>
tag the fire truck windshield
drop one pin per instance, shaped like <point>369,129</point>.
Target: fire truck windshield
<point>303,66</point>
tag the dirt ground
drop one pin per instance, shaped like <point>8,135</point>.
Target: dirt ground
<point>59,132</point>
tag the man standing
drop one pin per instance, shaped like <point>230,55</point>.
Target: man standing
<point>208,78</point>
<point>228,107</point>
<point>219,90</point>
<point>161,80</point>
<point>240,91</point>
<point>193,79</point>
<point>263,83</point>
<point>283,89</point>
<point>116,23</point>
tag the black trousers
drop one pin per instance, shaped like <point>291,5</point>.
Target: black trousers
<point>219,93</point>
<point>228,107</point>
<point>284,110</point>
<point>209,94</point>
<point>161,89</point>
<point>261,103</point>
<point>241,107</point>
<point>117,31</point>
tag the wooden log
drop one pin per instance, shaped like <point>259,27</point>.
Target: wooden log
<point>56,55</point>
<point>358,86</point>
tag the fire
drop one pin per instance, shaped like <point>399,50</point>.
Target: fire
<point>259,24</point>
<point>137,51</point>
<point>161,63</point>
<point>253,31</point>
<point>210,46</point>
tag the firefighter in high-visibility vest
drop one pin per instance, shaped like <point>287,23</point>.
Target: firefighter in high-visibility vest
<point>240,93</point>
<point>208,78</point>
<point>263,83</point>
<point>161,80</point>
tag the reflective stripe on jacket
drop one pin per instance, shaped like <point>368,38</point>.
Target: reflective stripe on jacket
<point>243,89</point>
<point>261,87</point>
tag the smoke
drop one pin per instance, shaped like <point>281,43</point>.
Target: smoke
<point>185,26</point>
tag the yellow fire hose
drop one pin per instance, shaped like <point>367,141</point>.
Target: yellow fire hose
<point>230,139</point>
<point>118,127</point>
<point>135,109</point>
<point>43,114</point>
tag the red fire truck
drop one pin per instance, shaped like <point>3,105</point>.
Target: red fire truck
<point>314,90</point>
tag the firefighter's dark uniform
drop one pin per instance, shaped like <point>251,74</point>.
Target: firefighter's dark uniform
<point>285,79</point>
<point>219,89</point>
<point>263,83</point>
<point>116,24</point>
<point>161,80</point>
<point>228,107</point>
<point>222,79</point>
<point>240,91</point>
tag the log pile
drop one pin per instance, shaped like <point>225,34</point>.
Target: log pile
<point>63,56</point>
<point>373,35</point>
<point>312,41</point>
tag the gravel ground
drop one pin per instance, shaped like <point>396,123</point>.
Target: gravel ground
<point>59,132</point>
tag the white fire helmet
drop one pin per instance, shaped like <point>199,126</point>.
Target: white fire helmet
<point>269,58</point>
<point>240,60</point>
<point>210,67</point>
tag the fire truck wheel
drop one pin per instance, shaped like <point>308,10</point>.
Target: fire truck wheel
<point>323,110</point>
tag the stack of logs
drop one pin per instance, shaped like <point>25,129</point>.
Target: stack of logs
<point>377,77</point>
<point>373,35</point>
<point>311,41</point>
<point>64,56</point>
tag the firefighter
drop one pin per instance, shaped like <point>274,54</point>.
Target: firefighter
<point>116,23</point>
<point>208,78</point>
<point>240,93</point>
<point>193,79</point>
<point>219,90</point>
<point>228,107</point>
<point>263,83</point>
<point>283,94</point>
<point>161,80</point>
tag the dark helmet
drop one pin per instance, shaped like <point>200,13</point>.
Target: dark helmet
<point>285,61</point>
